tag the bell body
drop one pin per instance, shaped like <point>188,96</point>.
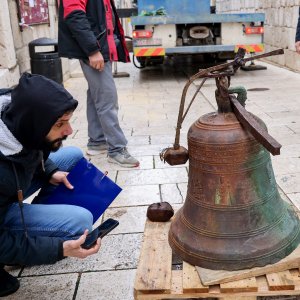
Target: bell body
<point>233,216</point>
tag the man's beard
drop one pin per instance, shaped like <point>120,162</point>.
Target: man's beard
<point>53,146</point>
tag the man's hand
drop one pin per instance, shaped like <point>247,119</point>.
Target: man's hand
<point>297,46</point>
<point>96,61</point>
<point>73,247</point>
<point>59,177</point>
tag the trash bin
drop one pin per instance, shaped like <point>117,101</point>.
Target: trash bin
<point>43,61</point>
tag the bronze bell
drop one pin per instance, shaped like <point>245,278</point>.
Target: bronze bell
<point>233,216</point>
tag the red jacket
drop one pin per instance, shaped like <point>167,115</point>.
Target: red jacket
<point>86,26</point>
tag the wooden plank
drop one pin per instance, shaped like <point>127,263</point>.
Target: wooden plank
<point>155,279</point>
<point>191,282</point>
<point>239,298</point>
<point>155,264</point>
<point>209,277</point>
<point>214,292</point>
<point>262,284</point>
<point>176,282</point>
<point>280,281</point>
<point>244,285</point>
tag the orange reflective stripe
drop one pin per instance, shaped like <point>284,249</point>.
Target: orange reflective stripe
<point>149,51</point>
<point>257,48</point>
<point>157,52</point>
<point>251,48</point>
<point>142,52</point>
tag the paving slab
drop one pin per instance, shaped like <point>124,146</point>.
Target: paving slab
<point>82,133</point>
<point>295,127</point>
<point>163,139</point>
<point>154,130</point>
<point>291,150</point>
<point>290,183</point>
<point>120,251</point>
<point>107,285</point>
<point>295,198</point>
<point>183,189</point>
<point>138,140</point>
<point>141,150</point>
<point>288,139</point>
<point>171,193</point>
<point>131,219</point>
<point>156,176</point>
<point>137,195</point>
<point>286,165</point>
<point>146,162</point>
<point>58,287</point>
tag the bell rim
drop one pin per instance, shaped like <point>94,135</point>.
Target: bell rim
<point>238,263</point>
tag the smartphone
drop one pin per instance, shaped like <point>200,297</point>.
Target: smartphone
<point>103,229</point>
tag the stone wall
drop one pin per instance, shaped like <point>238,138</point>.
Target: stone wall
<point>280,25</point>
<point>9,69</point>
<point>14,52</point>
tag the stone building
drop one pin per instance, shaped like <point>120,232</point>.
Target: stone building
<point>280,28</point>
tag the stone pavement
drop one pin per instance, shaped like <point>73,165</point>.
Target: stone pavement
<point>149,101</point>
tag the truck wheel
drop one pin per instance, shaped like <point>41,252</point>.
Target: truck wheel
<point>224,56</point>
<point>142,62</point>
<point>156,60</point>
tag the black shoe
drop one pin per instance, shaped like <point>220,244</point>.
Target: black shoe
<point>8,283</point>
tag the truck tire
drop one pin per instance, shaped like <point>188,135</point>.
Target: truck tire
<point>142,62</point>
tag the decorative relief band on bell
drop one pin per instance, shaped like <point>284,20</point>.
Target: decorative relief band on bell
<point>224,169</point>
<point>227,153</point>
<point>214,120</point>
<point>247,145</point>
<point>226,127</point>
<point>236,235</point>
<point>200,202</point>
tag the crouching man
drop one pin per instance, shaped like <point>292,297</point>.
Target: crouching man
<point>35,119</point>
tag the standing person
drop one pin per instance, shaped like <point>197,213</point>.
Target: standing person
<point>35,120</point>
<point>90,31</point>
<point>297,38</point>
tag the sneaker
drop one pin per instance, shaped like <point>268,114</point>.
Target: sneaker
<point>97,149</point>
<point>124,159</point>
<point>8,283</point>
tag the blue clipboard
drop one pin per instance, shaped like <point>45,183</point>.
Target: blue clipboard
<point>93,190</point>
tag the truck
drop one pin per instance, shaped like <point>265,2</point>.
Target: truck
<point>166,28</point>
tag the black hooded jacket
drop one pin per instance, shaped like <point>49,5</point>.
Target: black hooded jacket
<point>35,105</point>
<point>86,26</point>
<point>297,38</point>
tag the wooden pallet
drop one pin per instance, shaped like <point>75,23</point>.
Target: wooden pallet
<point>157,278</point>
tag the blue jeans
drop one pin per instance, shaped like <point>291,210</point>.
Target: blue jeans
<point>65,221</point>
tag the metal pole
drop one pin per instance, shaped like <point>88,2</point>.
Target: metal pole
<point>117,74</point>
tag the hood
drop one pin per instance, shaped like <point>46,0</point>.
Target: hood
<point>9,145</point>
<point>36,104</point>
